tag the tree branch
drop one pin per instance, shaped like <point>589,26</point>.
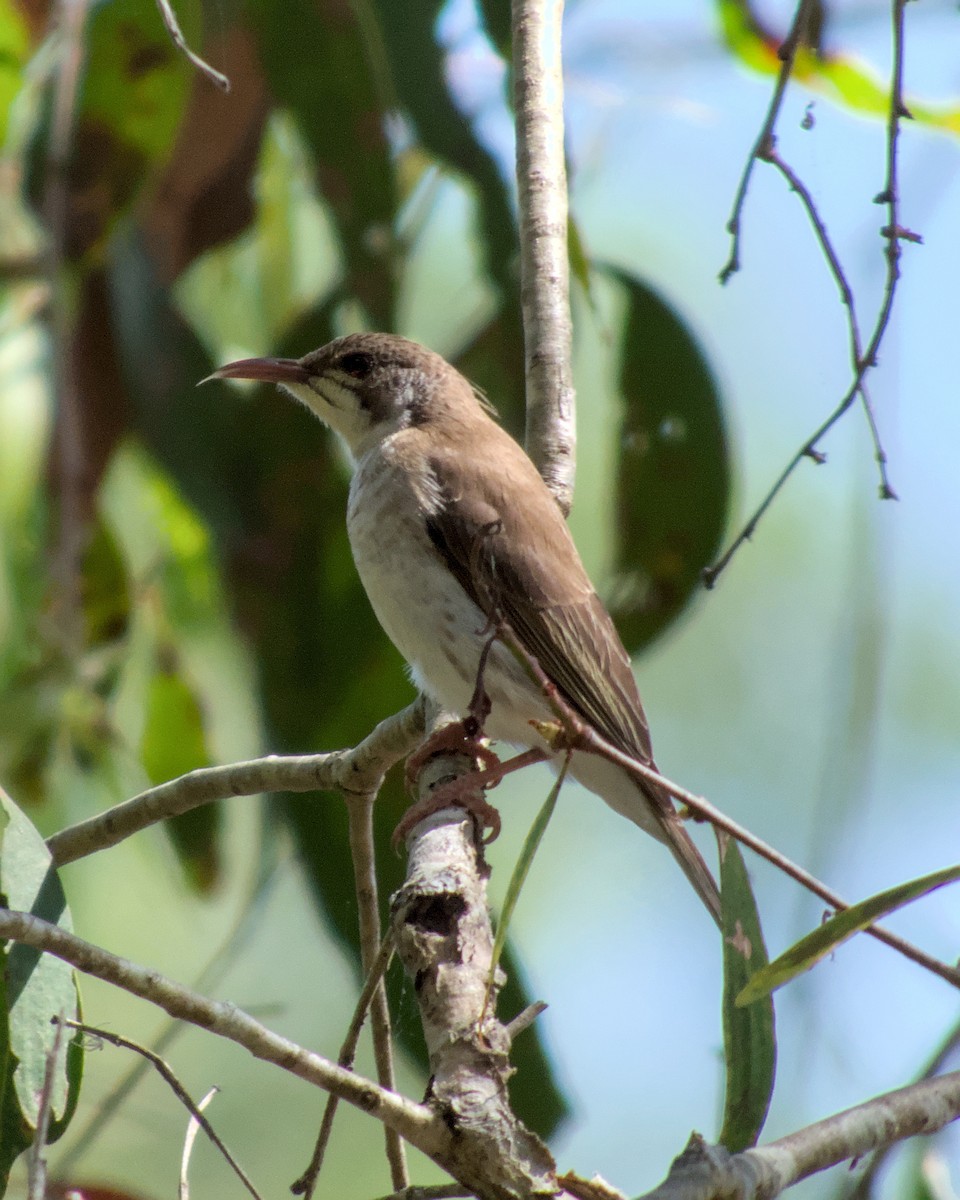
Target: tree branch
<point>705,1172</point>
<point>544,264</point>
<point>444,939</point>
<point>354,771</point>
<point>420,1126</point>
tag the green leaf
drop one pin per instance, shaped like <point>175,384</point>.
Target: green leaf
<point>173,743</point>
<point>104,588</point>
<point>35,988</point>
<point>14,48</point>
<point>816,945</point>
<point>836,75</point>
<point>531,843</point>
<point>417,68</point>
<point>749,1036</point>
<point>341,95</point>
<point>673,486</point>
<point>129,107</point>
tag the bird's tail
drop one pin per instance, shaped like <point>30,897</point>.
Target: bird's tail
<point>692,864</point>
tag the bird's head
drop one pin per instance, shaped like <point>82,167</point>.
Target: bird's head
<point>365,386</point>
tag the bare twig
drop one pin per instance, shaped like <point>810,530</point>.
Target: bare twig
<point>353,771</point>
<point>37,1164</point>
<point>764,143</point>
<point>168,1075</point>
<point>703,1172</point>
<point>846,295</point>
<point>176,34</point>
<point>414,1121</point>
<point>306,1184</point>
<point>208,979</point>
<point>544,261</point>
<point>362,854</point>
<point>193,1128</point>
<point>893,232</point>
<point>577,735</point>
<point>374,957</point>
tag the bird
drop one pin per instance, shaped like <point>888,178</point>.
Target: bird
<point>449,519</point>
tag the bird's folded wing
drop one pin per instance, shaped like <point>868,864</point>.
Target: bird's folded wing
<point>514,557</point>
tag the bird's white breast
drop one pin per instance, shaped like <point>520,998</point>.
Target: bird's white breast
<point>419,602</point>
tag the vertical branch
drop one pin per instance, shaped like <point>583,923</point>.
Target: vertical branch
<point>360,813</point>
<point>444,938</point>
<point>544,264</point>
<point>69,427</point>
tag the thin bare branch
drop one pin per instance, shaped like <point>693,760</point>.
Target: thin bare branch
<point>414,1121</point>
<point>544,260</point>
<point>893,233</point>
<point>306,1184</point>
<point>169,1076</point>
<point>764,143</point>
<point>36,1163</point>
<point>352,771</point>
<point>363,856</point>
<point>375,957</point>
<point>575,734</point>
<point>193,1128</point>
<point>703,1172</point>
<point>176,34</point>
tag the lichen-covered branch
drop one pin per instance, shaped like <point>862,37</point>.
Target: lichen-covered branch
<point>704,1172</point>
<point>358,770</point>
<point>544,263</point>
<point>444,939</point>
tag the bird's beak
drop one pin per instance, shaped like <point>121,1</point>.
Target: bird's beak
<point>264,370</point>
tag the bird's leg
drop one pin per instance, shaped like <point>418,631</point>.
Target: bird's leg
<point>466,791</point>
<point>464,737</point>
<point>460,737</point>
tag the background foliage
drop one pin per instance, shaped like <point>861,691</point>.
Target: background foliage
<point>175,584</point>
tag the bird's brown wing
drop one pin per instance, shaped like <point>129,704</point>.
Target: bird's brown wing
<point>502,535</point>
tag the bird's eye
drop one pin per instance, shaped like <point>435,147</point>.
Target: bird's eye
<point>357,364</point>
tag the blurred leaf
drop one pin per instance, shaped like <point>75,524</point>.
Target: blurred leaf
<point>580,266</point>
<point>417,66</point>
<point>496,20</point>
<point>837,76</point>
<point>14,45</point>
<point>749,1038</point>
<point>673,486</point>
<point>35,988</point>
<point>104,588</point>
<point>129,107</point>
<point>344,125</point>
<point>493,362</point>
<point>816,945</point>
<point>173,743</point>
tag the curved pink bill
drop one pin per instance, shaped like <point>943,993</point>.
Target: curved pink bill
<point>265,370</point>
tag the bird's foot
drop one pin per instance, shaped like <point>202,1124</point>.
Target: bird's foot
<point>459,737</point>
<point>466,791</point>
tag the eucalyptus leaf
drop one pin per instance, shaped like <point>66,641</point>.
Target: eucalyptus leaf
<point>35,988</point>
<point>826,937</point>
<point>673,483</point>
<point>749,1034</point>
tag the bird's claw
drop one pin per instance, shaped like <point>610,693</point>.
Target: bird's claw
<point>464,792</point>
<point>455,738</point>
